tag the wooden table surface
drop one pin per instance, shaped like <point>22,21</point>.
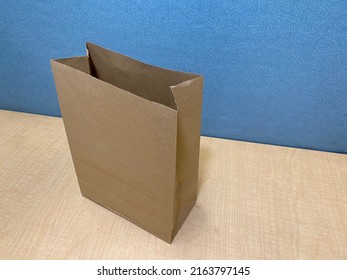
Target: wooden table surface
<point>255,202</point>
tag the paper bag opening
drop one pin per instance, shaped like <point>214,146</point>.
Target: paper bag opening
<point>147,81</point>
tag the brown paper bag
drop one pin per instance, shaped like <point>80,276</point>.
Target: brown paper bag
<point>134,134</point>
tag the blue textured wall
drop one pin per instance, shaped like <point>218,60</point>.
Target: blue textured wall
<point>275,71</point>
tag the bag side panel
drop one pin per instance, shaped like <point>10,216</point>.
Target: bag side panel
<point>188,96</point>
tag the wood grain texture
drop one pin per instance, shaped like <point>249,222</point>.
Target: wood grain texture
<point>255,202</point>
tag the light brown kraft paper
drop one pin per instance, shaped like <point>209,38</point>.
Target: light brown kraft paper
<point>134,135</point>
